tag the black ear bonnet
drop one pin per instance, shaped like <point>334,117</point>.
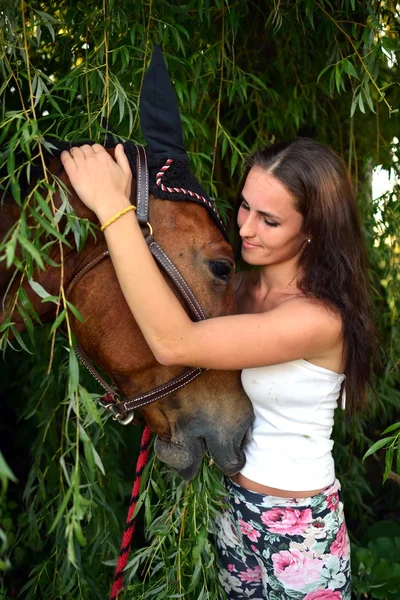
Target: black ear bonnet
<point>169,173</point>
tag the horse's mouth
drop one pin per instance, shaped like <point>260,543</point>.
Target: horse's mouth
<point>186,459</point>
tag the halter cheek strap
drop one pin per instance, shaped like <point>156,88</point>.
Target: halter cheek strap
<point>123,410</point>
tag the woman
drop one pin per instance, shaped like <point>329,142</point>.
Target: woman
<point>303,337</point>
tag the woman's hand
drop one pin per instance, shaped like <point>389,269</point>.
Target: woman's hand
<point>103,184</point>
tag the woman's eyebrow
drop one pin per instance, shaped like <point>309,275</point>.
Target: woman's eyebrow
<point>260,212</point>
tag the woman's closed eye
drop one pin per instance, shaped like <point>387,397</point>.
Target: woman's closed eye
<point>268,222</point>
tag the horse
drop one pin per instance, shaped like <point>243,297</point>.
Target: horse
<point>211,410</point>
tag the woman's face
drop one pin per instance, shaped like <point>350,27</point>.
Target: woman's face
<point>269,225</point>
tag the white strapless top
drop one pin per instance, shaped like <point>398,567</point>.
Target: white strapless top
<point>293,404</point>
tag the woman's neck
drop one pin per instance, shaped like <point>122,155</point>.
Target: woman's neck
<point>276,280</point>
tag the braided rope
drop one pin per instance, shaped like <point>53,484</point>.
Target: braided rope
<point>178,190</point>
<point>130,523</point>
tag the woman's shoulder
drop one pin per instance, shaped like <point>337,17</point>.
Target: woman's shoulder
<point>313,314</point>
<point>311,306</point>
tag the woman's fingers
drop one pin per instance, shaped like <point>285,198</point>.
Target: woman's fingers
<point>98,149</point>
<point>68,162</point>
<point>96,177</point>
<point>123,163</point>
<point>77,154</point>
<point>122,159</point>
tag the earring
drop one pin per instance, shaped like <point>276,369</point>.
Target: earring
<point>308,240</point>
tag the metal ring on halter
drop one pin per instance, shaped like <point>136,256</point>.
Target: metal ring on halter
<point>117,416</point>
<point>125,421</point>
<point>150,228</point>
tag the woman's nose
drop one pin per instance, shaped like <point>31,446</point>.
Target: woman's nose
<point>247,227</point>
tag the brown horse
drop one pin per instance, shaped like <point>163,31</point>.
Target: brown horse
<point>211,411</point>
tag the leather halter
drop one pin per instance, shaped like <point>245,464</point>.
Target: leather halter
<point>123,410</point>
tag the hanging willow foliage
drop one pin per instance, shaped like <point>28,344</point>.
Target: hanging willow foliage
<point>245,74</point>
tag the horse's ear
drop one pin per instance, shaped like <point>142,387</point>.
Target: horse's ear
<point>159,113</point>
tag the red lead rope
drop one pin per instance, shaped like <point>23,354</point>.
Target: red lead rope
<point>130,524</point>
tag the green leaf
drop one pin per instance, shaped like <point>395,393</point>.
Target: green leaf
<point>71,550</point>
<point>139,504</point>
<point>147,509</point>
<point>29,247</point>
<point>10,249</point>
<point>43,205</point>
<point>79,533</point>
<point>361,103</point>
<point>27,322</point>
<point>234,160</point>
<point>88,450</point>
<point>224,146</point>
<point>38,289</point>
<point>98,460</point>
<point>367,96</point>
<point>61,509</point>
<point>388,462</point>
<point>201,540</point>
<point>378,445</point>
<point>47,17</point>
<point>322,72</point>
<point>338,78</point>
<point>73,379</point>
<point>5,471</point>
<point>398,458</point>
<point>58,321</point>
<point>349,68</point>
<point>354,105</point>
<point>49,227</point>
<point>391,428</point>
<point>75,312</point>
<point>90,406</point>
<point>54,299</point>
<point>26,303</point>
<point>19,339</point>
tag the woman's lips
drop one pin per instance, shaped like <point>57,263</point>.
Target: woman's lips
<point>247,244</point>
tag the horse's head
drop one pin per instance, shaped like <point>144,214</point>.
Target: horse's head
<point>212,410</point>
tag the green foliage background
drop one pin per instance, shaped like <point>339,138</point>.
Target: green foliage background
<point>246,74</point>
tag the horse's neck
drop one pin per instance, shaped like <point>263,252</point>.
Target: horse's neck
<point>49,280</point>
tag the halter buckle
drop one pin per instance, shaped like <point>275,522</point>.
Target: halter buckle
<point>110,404</point>
<point>127,420</point>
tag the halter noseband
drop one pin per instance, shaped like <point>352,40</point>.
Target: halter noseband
<point>123,410</point>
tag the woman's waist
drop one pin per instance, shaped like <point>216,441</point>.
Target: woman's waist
<point>253,486</point>
<point>288,471</point>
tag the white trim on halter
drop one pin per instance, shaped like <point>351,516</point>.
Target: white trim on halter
<point>165,188</point>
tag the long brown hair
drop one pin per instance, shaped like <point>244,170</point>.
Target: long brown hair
<point>333,264</point>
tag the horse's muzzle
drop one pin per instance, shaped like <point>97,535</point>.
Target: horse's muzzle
<point>185,455</point>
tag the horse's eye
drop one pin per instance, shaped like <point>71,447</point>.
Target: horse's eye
<point>222,270</point>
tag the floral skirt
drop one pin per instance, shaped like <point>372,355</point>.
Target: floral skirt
<point>281,548</point>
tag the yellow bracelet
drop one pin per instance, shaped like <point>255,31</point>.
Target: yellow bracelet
<point>117,216</point>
